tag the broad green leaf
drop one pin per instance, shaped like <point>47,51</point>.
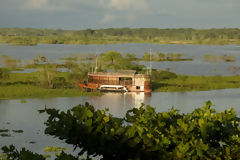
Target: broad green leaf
<point>89,114</point>
<point>106,119</point>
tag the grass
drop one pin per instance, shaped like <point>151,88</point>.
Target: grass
<point>26,85</point>
<point>20,91</point>
<point>196,83</point>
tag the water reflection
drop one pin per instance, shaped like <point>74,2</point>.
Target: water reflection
<point>15,115</point>
<point>119,103</point>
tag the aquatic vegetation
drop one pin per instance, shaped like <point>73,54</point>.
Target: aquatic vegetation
<point>213,58</point>
<point>18,131</point>
<point>4,130</point>
<point>3,156</point>
<point>5,135</point>
<point>195,83</point>
<point>158,56</point>
<point>29,91</point>
<point>32,142</point>
<point>23,101</point>
<point>54,149</point>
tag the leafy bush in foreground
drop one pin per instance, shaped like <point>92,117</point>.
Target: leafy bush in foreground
<point>147,134</point>
<point>13,154</point>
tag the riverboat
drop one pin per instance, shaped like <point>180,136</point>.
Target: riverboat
<point>124,80</point>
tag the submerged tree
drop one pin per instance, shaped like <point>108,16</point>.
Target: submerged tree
<point>9,61</point>
<point>46,75</point>
<point>4,73</point>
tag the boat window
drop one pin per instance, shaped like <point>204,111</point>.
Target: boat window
<point>125,78</point>
<point>137,87</point>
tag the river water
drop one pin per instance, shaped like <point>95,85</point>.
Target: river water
<point>15,115</point>
<point>196,67</point>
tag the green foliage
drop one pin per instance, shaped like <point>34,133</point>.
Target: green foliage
<point>164,57</point>
<point>18,131</point>
<point>130,56</point>
<point>64,156</point>
<point>212,58</point>
<point>29,91</point>
<point>47,74</point>
<point>4,73</point>
<point>13,154</point>
<point>3,156</point>
<point>54,149</point>
<point>5,135</point>
<point>29,36</point>
<point>194,83</point>
<point>160,56</point>
<point>4,130</point>
<point>147,134</point>
<point>39,59</point>
<point>163,75</point>
<point>9,61</point>
<point>115,61</point>
<point>146,56</point>
<point>23,101</point>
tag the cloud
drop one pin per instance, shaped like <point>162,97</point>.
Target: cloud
<point>45,5</point>
<point>125,4</point>
<point>131,17</point>
<point>108,18</point>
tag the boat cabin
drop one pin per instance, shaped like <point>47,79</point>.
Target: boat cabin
<point>125,79</point>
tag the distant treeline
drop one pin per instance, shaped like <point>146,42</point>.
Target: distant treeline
<point>30,36</point>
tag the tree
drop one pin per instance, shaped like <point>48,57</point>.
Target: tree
<point>159,56</point>
<point>4,73</point>
<point>40,59</point>
<point>111,60</point>
<point>47,75</point>
<point>9,61</point>
<point>146,56</point>
<point>130,56</point>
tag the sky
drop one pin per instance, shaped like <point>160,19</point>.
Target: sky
<point>96,14</point>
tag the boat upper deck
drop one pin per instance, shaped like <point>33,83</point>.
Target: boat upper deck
<point>125,73</point>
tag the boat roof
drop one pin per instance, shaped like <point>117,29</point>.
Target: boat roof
<point>117,86</point>
<point>120,73</point>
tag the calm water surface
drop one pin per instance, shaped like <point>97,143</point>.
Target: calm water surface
<point>15,115</point>
<point>196,67</point>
